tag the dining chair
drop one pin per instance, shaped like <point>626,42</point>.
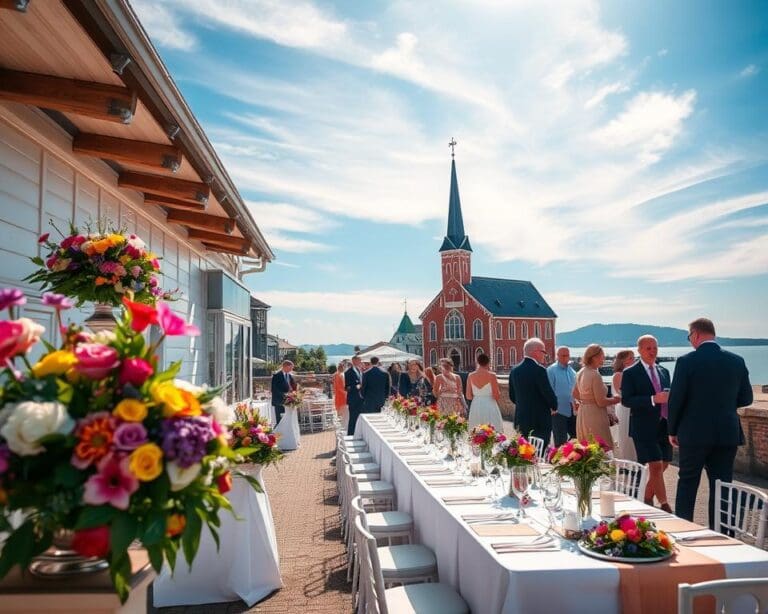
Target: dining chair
<point>376,598</point>
<point>538,443</point>
<point>725,593</point>
<point>630,478</point>
<point>742,511</point>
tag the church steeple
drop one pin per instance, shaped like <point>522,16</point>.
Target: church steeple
<point>455,237</point>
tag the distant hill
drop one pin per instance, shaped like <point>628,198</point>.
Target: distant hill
<point>334,349</point>
<point>625,335</point>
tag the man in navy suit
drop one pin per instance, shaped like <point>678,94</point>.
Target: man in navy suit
<point>375,388</point>
<point>710,384</point>
<point>283,382</point>
<point>530,391</point>
<point>353,382</point>
<point>645,389</point>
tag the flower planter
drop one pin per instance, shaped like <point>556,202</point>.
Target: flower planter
<point>101,319</point>
<point>60,560</point>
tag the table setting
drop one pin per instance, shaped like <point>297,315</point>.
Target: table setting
<point>504,556</point>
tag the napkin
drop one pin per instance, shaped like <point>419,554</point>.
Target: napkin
<point>617,496</point>
<point>433,470</point>
<point>489,516</point>
<point>676,525</point>
<point>412,452</point>
<point>455,482</point>
<point>696,541</point>
<point>425,460</point>
<point>505,529</point>
<point>407,446</point>
<point>511,548</point>
<point>464,499</point>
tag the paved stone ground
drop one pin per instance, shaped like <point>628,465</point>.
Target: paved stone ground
<point>302,491</point>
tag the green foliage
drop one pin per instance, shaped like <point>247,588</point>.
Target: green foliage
<point>308,360</point>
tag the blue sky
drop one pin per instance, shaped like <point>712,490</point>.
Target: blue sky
<point>614,153</point>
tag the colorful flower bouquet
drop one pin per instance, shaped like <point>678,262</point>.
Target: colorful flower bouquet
<point>102,267</point>
<point>584,462</point>
<point>516,452</point>
<point>430,416</point>
<point>628,537</point>
<point>252,438</point>
<point>454,426</point>
<point>294,399</point>
<point>97,442</point>
<point>484,437</point>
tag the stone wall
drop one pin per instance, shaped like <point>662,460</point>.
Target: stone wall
<point>752,457</point>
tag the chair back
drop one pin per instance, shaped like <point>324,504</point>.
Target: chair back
<point>726,592</point>
<point>370,571</point>
<point>742,510</point>
<point>630,478</point>
<point>538,443</point>
<point>351,481</point>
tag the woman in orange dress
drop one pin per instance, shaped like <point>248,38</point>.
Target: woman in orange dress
<point>340,394</point>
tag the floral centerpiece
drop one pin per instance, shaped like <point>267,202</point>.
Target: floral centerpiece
<point>484,437</point>
<point>99,444</point>
<point>584,462</point>
<point>454,426</point>
<point>628,537</point>
<point>430,416</point>
<point>293,399</point>
<point>252,437</point>
<point>515,451</point>
<point>102,266</point>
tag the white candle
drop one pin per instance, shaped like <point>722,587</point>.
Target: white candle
<point>570,521</point>
<point>607,500</point>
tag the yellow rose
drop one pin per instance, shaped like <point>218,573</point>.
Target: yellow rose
<point>146,462</point>
<point>617,535</point>
<point>125,259</point>
<point>131,410</point>
<point>55,363</point>
<point>116,239</point>
<point>175,402</point>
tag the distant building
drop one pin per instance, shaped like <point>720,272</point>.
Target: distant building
<point>408,336</point>
<point>278,349</point>
<point>473,315</point>
<point>259,328</point>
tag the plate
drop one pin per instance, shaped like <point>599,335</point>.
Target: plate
<point>622,559</point>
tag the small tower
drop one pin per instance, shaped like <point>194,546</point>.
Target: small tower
<point>455,252</point>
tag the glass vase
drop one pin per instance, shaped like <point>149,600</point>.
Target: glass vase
<point>102,318</point>
<point>61,561</point>
<point>431,433</point>
<point>583,487</point>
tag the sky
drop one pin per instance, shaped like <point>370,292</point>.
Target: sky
<point>613,153</point>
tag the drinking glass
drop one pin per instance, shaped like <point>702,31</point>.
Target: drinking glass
<point>552,495</point>
<point>520,477</point>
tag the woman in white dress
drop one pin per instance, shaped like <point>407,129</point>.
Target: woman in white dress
<point>483,390</point>
<point>626,447</point>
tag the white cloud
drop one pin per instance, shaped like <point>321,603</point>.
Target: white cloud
<point>163,26</point>
<point>605,91</point>
<point>662,52</point>
<point>749,71</point>
<point>360,302</point>
<point>281,242</point>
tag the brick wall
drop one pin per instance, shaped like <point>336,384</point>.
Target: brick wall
<point>752,457</point>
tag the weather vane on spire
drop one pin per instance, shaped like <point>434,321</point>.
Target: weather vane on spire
<point>405,305</point>
<point>452,145</point>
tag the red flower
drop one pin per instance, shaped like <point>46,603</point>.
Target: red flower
<point>135,371</point>
<point>224,482</point>
<point>92,542</point>
<point>44,238</point>
<point>141,315</point>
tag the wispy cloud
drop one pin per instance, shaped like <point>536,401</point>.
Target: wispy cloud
<point>361,302</point>
<point>749,71</point>
<point>163,25</point>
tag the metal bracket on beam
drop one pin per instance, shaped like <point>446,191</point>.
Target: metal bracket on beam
<point>119,62</point>
<point>21,5</point>
<point>172,131</point>
<point>201,198</point>
<point>171,163</point>
<point>117,108</point>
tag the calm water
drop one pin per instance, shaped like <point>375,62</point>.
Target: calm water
<point>756,357</point>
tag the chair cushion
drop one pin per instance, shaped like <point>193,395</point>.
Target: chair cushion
<point>377,487</point>
<point>351,438</point>
<point>384,522</point>
<point>406,560</point>
<point>361,457</point>
<point>355,446</point>
<point>368,477</point>
<point>425,599</point>
<point>365,468</point>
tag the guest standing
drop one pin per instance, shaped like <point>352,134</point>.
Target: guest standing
<point>562,378</point>
<point>375,388</point>
<point>414,383</point>
<point>483,391</point>
<point>530,391</point>
<point>644,388</point>
<point>710,384</point>
<point>353,380</point>
<point>447,390</point>
<point>282,383</point>
<point>592,419</point>
<point>625,447</point>
<point>394,377</point>
<point>340,395</point>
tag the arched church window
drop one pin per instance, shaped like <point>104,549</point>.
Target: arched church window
<point>524,330</point>
<point>499,331</point>
<point>512,330</point>
<point>477,329</point>
<point>433,331</point>
<point>499,358</point>
<point>537,330</point>
<point>454,326</point>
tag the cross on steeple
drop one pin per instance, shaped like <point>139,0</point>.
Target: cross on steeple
<point>452,145</point>
<point>405,305</point>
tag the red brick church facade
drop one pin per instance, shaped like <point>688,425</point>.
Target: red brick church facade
<point>471,315</point>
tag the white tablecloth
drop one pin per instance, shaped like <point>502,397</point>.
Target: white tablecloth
<point>245,567</point>
<point>563,581</point>
<point>265,410</point>
<point>288,427</point>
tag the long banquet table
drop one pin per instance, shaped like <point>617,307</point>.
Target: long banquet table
<point>564,580</point>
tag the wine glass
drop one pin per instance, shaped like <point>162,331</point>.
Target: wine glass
<point>552,494</point>
<point>520,477</point>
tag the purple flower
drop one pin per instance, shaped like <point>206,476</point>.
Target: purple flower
<point>11,297</point>
<point>58,301</point>
<point>129,436</point>
<point>185,439</point>
<point>5,458</point>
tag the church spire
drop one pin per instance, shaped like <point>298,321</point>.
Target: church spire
<point>455,237</point>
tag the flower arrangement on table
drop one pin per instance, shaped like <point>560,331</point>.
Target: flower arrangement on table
<point>628,537</point>
<point>98,443</point>
<point>484,437</point>
<point>102,266</point>
<point>516,451</point>
<point>396,402</point>
<point>294,399</point>
<point>454,426</point>
<point>584,462</point>
<point>252,438</point>
<point>430,416</point>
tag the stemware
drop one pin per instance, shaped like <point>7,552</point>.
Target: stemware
<point>552,495</point>
<point>520,477</point>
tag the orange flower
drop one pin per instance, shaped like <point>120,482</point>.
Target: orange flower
<point>102,245</point>
<point>95,440</point>
<point>174,525</point>
<point>100,281</point>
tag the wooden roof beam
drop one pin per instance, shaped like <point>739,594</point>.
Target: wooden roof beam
<point>15,5</point>
<point>219,239</point>
<point>213,247</point>
<point>153,155</point>
<point>112,103</point>
<point>172,203</point>
<point>181,189</point>
<point>201,221</point>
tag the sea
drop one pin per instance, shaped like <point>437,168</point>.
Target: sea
<point>755,356</point>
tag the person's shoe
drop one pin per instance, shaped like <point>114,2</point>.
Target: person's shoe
<point>666,508</point>
<point>648,501</point>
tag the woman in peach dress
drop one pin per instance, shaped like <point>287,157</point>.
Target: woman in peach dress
<point>592,419</point>
<point>448,390</point>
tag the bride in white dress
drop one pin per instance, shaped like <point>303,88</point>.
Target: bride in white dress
<point>483,390</point>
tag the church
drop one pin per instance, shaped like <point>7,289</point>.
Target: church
<point>472,315</point>
<point>408,336</point>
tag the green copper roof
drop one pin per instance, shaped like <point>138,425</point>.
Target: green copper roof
<point>455,237</point>
<point>406,326</point>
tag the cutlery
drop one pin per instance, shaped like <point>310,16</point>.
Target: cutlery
<point>446,483</point>
<point>693,538</point>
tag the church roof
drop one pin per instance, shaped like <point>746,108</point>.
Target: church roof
<point>509,298</point>
<point>455,237</point>
<point>406,325</point>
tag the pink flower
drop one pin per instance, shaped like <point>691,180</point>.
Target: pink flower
<point>135,270</point>
<point>626,524</point>
<point>155,264</point>
<point>58,301</point>
<point>11,297</point>
<point>174,325</point>
<point>51,262</point>
<point>263,438</point>
<point>634,535</point>
<point>44,237</point>
<point>602,529</point>
<point>135,371</point>
<point>17,336</point>
<point>95,360</point>
<point>113,484</point>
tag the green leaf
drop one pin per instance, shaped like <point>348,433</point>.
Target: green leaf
<point>155,530</point>
<point>155,553</point>
<point>123,532</point>
<point>215,536</point>
<point>18,549</point>
<point>169,373</point>
<point>67,476</point>
<point>120,571</point>
<point>190,538</point>
<point>38,261</point>
<point>92,516</point>
<point>251,480</point>
<point>171,548</point>
<point>158,490</point>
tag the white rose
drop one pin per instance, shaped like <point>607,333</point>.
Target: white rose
<point>29,422</point>
<point>105,337</point>
<point>221,412</point>
<point>181,477</point>
<point>185,385</point>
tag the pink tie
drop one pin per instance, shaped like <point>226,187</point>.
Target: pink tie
<point>657,388</point>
